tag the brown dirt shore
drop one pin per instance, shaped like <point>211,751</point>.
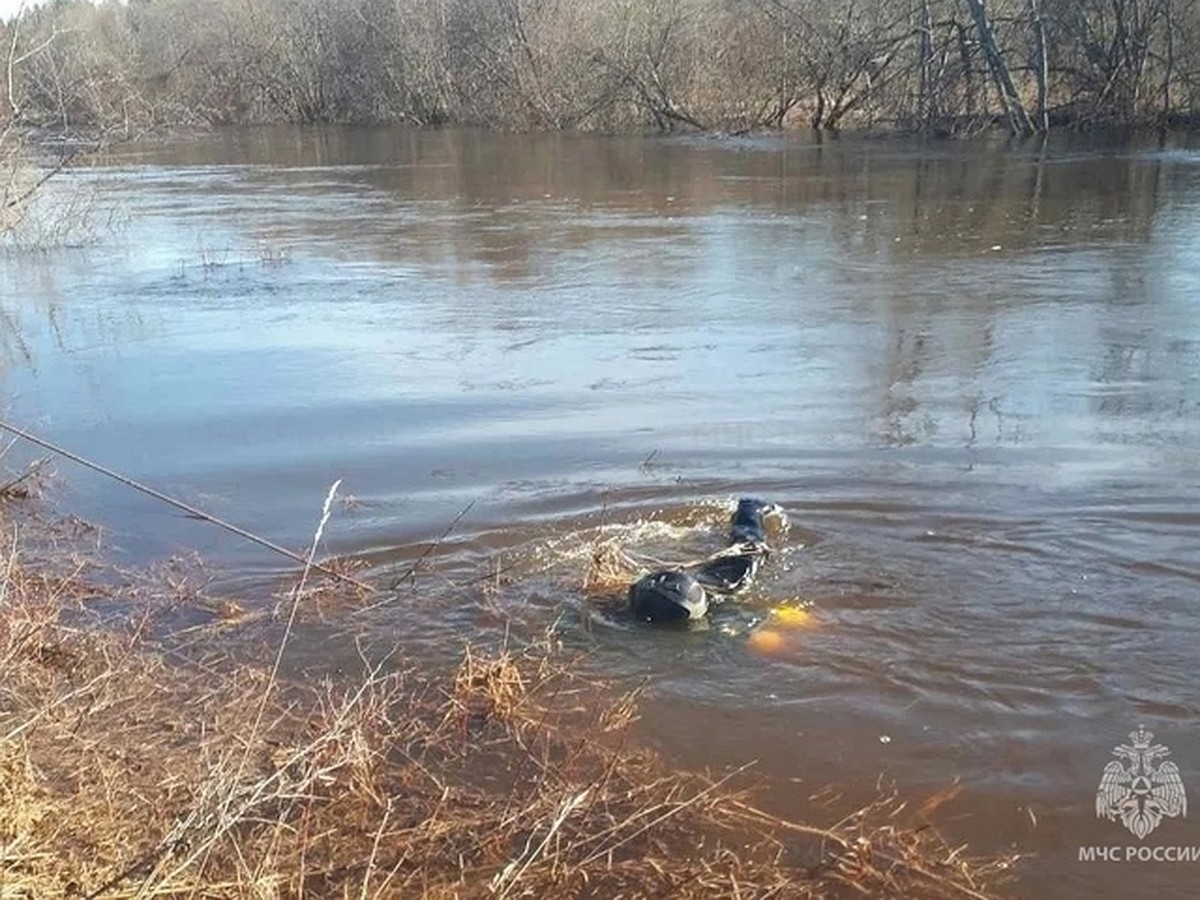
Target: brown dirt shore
<point>133,765</point>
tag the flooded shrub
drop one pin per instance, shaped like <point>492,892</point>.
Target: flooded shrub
<point>952,66</point>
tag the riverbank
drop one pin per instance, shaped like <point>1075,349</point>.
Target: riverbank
<point>938,66</point>
<point>136,760</point>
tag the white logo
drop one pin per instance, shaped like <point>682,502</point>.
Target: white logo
<point>1144,788</point>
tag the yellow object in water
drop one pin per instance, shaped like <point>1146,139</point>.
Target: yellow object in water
<point>765,641</point>
<point>793,617</point>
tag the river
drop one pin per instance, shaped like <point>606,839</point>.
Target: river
<point>970,372</point>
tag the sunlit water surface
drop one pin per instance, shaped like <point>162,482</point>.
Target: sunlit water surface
<point>968,372</point>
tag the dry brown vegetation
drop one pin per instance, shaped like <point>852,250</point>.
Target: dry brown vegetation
<point>940,65</point>
<point>133,763</point>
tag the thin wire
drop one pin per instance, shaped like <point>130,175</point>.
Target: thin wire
<point>179,504</point>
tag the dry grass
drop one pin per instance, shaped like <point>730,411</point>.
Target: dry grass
<point>128,769</point>
<point>609,570</point>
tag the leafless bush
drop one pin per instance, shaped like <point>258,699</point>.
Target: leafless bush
<point>949,65</point>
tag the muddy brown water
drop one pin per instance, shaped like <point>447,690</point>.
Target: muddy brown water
<point>970,372</point>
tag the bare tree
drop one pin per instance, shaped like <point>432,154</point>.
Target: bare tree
<point>937,65</point>
<point>1018,119</point>
<point>20,180</point>
<point>1041,65</point>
